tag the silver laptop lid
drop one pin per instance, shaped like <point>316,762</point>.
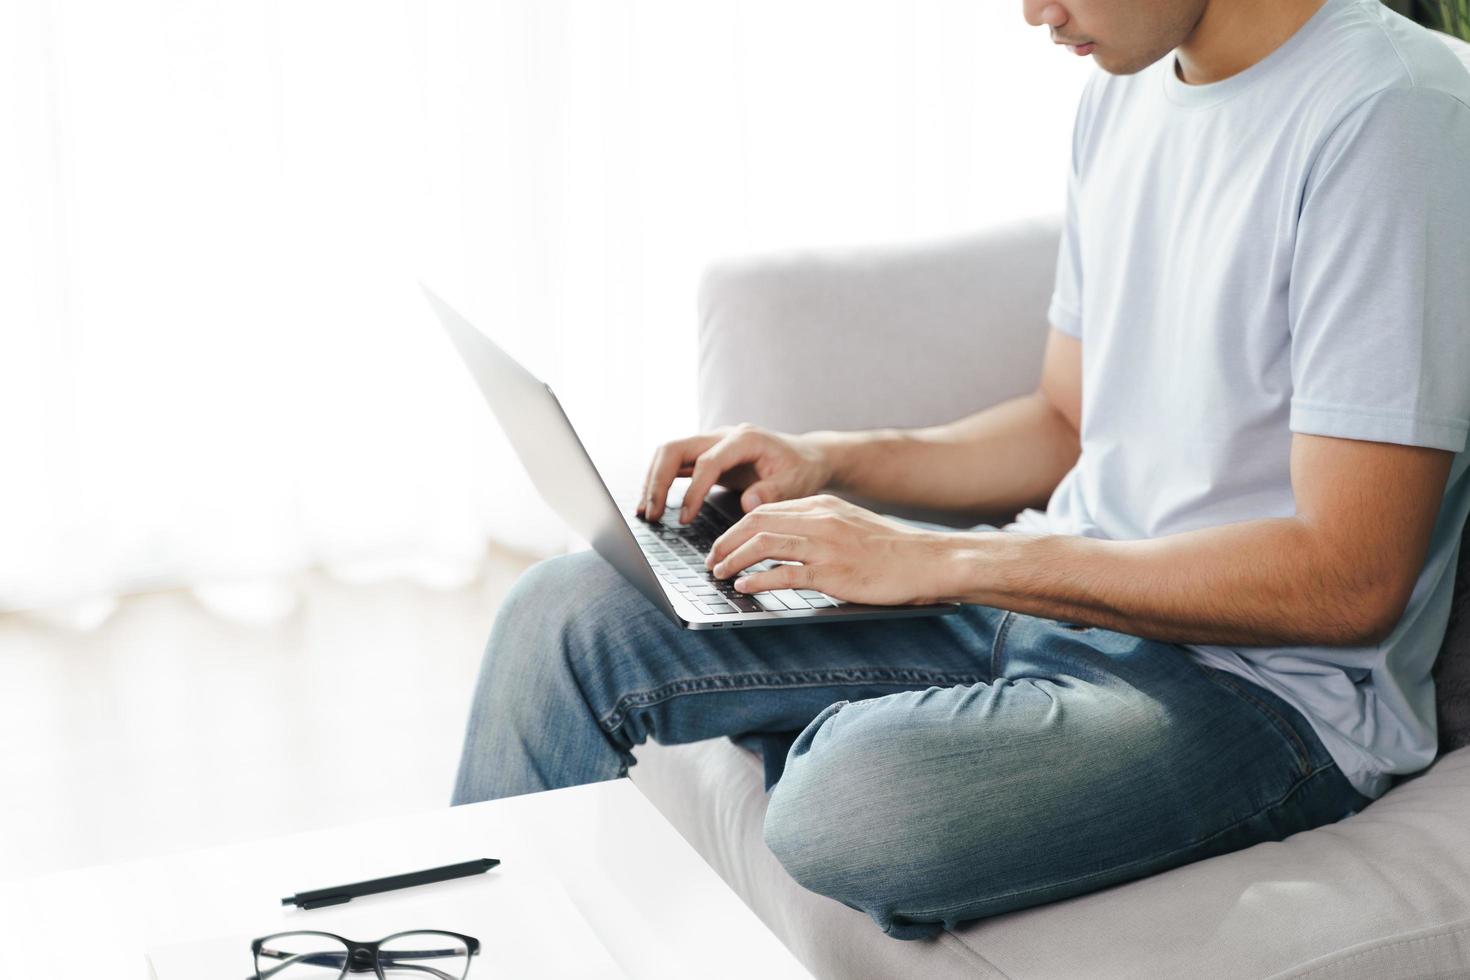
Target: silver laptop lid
<point>553,455</point>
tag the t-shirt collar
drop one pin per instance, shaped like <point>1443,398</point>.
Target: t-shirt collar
<point>1202,96</point>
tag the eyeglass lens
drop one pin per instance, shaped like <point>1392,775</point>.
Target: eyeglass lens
<point>301,956</point>
<point>425,956</point>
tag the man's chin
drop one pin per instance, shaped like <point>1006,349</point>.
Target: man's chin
<point>1116,65</point>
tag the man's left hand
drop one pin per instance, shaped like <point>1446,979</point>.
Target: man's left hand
<point>845,551</point>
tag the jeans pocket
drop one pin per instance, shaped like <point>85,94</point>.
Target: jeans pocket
<point>1261,700</point>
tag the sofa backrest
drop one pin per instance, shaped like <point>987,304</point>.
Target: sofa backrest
<point>1452,669</point>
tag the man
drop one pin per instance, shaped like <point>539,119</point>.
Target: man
<point>1249,434</point>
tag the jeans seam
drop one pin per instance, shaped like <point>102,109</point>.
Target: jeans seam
<point>1134,863</point>
<point>709,683</point>
<point>1304,754</point>
<point>999,644</point>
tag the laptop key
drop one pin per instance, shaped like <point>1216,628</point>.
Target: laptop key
<point>768,602</point>
<point>721,608</point>
<point>792,600</point>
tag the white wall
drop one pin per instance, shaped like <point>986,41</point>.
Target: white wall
<point>213,361</point>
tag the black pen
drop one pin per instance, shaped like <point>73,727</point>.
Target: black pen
<point>340,894</point>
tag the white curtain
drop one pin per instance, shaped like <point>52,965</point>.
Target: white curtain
<point>214,363</point>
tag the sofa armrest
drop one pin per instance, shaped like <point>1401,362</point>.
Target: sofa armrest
<point>861,338</point>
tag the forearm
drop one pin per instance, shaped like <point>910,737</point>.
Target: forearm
<point>1256,583</point>
<point>997,461</point>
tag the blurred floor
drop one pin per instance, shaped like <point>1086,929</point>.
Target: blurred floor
<point>170,727</point>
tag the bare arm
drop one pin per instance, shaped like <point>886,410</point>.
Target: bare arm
<point>997,461</point>
<point>1338,572</point>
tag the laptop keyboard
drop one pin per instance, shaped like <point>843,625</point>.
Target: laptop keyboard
<point>676,552</point>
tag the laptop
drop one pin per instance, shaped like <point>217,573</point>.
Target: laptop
<point>663,560</point>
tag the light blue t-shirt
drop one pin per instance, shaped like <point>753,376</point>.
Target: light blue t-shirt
<point>1286,250</point>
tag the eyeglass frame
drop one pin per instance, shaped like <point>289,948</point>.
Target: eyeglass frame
<point>353,960</point>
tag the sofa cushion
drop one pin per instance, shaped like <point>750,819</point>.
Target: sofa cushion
<point>1381,895</point>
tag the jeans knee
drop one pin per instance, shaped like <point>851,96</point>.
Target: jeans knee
<point>542,592</point>
<point>549,607</point>
<point>533,686</point>
<point>807,825</point>
<point>798,845</point>
<point>839,821</point>
<point>526,659</point>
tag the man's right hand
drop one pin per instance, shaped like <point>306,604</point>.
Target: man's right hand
<point>768,466</point>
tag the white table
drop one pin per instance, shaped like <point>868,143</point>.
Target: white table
<point>656,908</point>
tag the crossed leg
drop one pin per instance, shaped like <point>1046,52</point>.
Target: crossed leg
<point>943,768</point>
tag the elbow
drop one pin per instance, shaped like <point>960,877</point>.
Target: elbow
<point>1379,627</point>
<point>1360,597</point>
<point>1371,615</point>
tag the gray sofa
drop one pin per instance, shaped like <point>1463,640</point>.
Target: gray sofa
<point>927,333</point>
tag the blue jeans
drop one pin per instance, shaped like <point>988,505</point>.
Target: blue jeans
<point>926,771</point>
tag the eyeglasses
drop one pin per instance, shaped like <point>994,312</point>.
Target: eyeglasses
<point>426,953</point>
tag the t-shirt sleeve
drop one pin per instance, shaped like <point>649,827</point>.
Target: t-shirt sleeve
<point>1379,300</point>
<point>1065,311</point>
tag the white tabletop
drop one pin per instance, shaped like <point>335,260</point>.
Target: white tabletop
<point>650,901</point>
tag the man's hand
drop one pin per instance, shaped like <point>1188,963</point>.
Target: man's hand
<point>845,551</point>
<point>769,466</point>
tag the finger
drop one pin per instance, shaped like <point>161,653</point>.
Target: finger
<point>762,519</point>
<point>645,505</point>
<point>685,468</point>
<point>646,492</point>
<point>781,577</point>
<point>816,503</point>
<point>769,491</point>
<point>759,493</point>
<point>763,545</point>
<point>668,462</point>
<point>729,452</point>
<point>790,504</point>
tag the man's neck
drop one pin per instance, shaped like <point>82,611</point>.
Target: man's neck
<point>1232,35</point>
